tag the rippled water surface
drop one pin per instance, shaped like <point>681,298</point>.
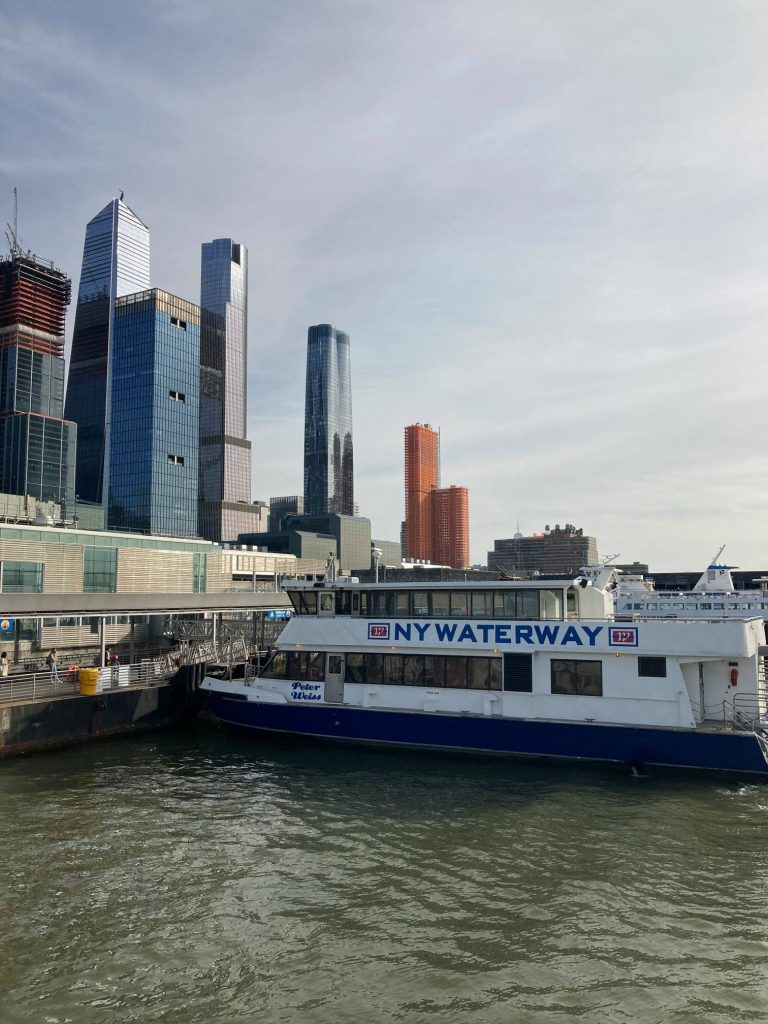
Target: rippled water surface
<point>209,877</point>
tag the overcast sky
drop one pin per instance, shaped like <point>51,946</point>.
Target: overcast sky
<point>544,226</point>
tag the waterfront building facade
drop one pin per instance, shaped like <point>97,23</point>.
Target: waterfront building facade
<point>328,447</point>
<point>558,552</point>
<point>391,554</point>
<point>422,476</point>
<point>37,445</point>
<point>307,546</point>
<point>352,534</point>
<point>279,508</point>
<point>154,405</point>
<point>115,263</point>
<point>225,453</point>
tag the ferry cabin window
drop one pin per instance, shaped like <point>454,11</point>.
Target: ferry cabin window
<point>579,678</point>
<point>343,602</point>
<point>355,671</point>
<point>303,601</point>
<point>432,670</point>
<point>509,604</point>
<point>326,602</point>
<point>518,673</point>
<point>482,604</point>
<point>655,667</point>
<point>551,604</point>
<point>302,665</point>
<point>456,672</point>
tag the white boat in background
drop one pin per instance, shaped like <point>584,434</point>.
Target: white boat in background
<point>713,597</point>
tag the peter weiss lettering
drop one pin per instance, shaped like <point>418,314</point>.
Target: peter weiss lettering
<point>306,691</point>
<point>488,633</point>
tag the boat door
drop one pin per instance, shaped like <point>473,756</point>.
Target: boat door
<point>334,678</point>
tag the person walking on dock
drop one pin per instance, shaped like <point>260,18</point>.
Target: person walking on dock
<point>52,661</point>
<point>3,664</point>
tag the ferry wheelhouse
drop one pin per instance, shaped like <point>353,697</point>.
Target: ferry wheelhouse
<point>509,667</point>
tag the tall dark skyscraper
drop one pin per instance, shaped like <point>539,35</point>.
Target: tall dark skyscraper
<point>328,450</point>
<point>37,445</point>
<point>115,263</point>
<point>225,453</point>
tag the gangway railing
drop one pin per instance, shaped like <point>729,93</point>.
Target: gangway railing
<point>146,672</point>
<point>744,713</point>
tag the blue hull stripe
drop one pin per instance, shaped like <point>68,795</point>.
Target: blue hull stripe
<point>740,752</point>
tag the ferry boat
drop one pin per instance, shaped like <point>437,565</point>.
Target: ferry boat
<point>714,596</point>
<point>522,668</point>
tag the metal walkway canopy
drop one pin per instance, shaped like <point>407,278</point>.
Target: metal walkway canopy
<point>22,606</point>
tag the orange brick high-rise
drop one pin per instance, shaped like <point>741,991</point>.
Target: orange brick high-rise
<point>436,519</point>
<point>421,478</point>
<point>450,527</point>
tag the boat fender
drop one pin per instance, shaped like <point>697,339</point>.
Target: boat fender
<point>734,676</point>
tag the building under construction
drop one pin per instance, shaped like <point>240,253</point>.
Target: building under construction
<point>37,445</point>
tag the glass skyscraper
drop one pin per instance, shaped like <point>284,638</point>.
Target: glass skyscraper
<point>115,263</point>
<point>37,446</point>
<point>225,453</point>
<point>154,403</point>
<point>328,451</point>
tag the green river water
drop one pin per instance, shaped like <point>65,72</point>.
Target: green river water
<point>202,876</point>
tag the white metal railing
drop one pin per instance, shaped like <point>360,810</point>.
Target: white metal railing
<point>147,672</point>
<point>36,685</point>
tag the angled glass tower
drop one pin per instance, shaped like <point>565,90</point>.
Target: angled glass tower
<point>225,452</point>
<point>328,453</point>
<point>115,263</point>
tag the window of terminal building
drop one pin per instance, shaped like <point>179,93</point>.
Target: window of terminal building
<point>175,460</point>
<point>22,577</point>
<point>178,396</point>
<point>99,570</point>
<point>181,324</point>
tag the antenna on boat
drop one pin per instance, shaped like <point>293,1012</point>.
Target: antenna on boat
<point>714,560</point>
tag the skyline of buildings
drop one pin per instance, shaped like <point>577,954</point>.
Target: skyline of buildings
<point>328,445</point>
<point>116,262</point>
<point>128,369</point>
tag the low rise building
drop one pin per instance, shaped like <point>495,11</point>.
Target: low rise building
<point>558,552</point>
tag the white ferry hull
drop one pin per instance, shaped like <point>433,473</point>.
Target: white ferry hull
<point>734,753</point>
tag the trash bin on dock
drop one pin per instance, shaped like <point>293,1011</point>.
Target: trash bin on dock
<point>89,681</point>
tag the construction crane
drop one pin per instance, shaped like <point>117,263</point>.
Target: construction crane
<point>12,233</point>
